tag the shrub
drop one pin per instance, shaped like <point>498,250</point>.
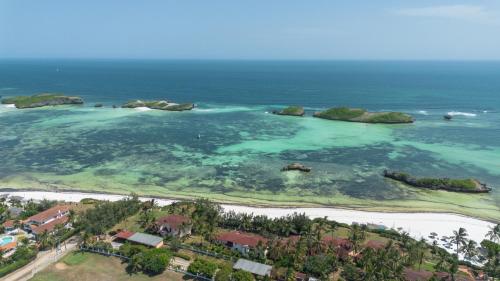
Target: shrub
<point>203,267</point>
<point>182,256</point>
<point>155,261</point>
<point>224,273</point>
<point>241,275</point>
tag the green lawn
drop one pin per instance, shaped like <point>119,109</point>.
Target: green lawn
<point>93,267</point>
<point>133,223</point>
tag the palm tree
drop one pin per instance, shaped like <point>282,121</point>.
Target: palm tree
<point>470,250</point>
<point>442,261</point>
<point>356,236</point>
<point>459,238</point>
<point>494,233</point>
<point>453,266</point>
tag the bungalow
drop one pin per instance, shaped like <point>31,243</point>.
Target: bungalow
<point>50,226</point>
<point>15,212</point>
<point>240,241</point>
<point>138,238</point>
<point>255,268</point>
<point>343,247</point>
<point>375,245</point>
<point>174,225</point>
<point>47,220</point>
<point>8,225</point>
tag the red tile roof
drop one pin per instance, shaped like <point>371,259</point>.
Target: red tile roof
<point>8,223</point>
<point>173,220</point>
<point>50,225</point>
<point>124,234</point>
<point>49,213</point>
<point>374,244</point>
<point>241,238</point>
<point>336,241</point>
<point>8,246</point>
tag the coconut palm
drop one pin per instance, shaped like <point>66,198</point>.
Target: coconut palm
<point>494,233</point>
<point>356,236</point>
<point>459,238</point>
<point>470,250</point>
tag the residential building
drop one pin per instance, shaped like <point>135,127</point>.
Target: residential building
<point>174,225</point>
<point>241,241</point>
<point>14,212</point>
<point>47,220</point>
<point>256,268</point>
<point>138,238</point>
<point>8,225</point>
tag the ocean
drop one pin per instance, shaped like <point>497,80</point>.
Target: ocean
<point>242,147</point>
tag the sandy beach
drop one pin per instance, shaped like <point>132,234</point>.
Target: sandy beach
<point>417,224</point>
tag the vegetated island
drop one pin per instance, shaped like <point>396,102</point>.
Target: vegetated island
<point>161,105</point>
<point>291,110</point>
<point>456,185</point>
<point>363,116</point>
<point>40,100</point>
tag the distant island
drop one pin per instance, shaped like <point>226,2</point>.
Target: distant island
<point>160,105</point>
<point>363,116</point>
<point>291,110</point>
<point>456,185</point>
<point>40,100</point>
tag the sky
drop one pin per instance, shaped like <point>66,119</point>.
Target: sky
<point>251,29</point>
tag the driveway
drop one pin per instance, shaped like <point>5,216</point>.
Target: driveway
<point>43,260</point>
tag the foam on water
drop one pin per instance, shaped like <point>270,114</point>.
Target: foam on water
<point>459,113</point>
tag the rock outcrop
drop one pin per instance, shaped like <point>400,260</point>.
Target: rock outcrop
<point>40,100</point>
<point>456,185</point>
<point>160,105</point>
<point>296,167</point>
<point>291,111</point>
<point>363,116</point>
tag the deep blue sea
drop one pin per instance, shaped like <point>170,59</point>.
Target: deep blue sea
<point>242,147</point>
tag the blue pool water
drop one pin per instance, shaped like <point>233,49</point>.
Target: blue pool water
<point>6,240</point>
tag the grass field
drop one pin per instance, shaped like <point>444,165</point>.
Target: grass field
<point>93,267</point>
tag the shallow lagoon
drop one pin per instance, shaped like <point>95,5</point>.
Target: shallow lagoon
<point>242,147</point>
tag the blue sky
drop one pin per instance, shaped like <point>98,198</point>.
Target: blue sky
<point>251,29</point>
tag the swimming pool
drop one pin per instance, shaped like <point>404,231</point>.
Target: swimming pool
<point>4,240</point>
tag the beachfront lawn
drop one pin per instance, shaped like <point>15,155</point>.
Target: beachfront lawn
<point>94,267</point>
<point>133,223</point>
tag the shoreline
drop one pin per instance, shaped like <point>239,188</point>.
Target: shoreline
<point>417,224</point>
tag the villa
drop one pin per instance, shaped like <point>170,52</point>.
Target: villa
<point>174,225</point>
<point>8,226</point>
<point>241,241</point>
<point>47,220</point>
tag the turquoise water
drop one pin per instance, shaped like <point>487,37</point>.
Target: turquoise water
<point>4,240</point>
<point>242,146</point>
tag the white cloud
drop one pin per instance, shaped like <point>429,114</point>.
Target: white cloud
<point>461,12</point>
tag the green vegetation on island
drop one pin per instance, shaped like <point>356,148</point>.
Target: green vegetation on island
<point>160,105</point>
<point>363,116</point>
<point>457,185</point>
<point>45,99</point>
<point>291,110</point>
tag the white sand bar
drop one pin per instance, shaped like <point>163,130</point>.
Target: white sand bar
<point>417,224</point>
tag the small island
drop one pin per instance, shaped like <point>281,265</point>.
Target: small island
<point>40,100</point>
<point>291,111</point>
<point>296,167</point>
<point>456,185</point>
<point>160,105</point>
<point>363,116</point>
